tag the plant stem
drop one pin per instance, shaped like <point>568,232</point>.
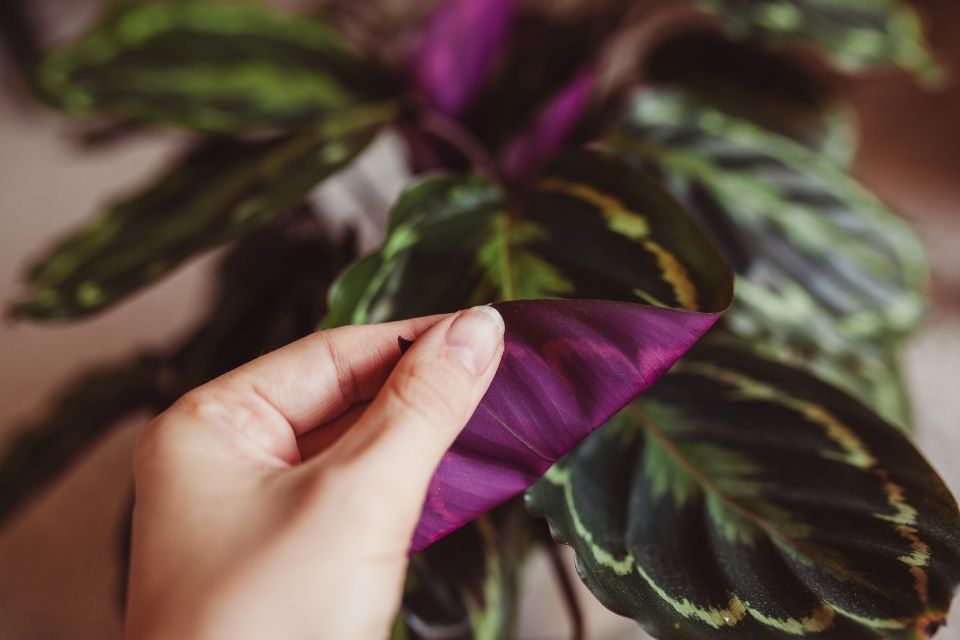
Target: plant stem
<point>566,588</point>
<point>454,134</point>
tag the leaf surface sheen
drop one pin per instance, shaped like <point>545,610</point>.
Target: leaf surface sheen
<point>631,283</point>
<point>740,498</point>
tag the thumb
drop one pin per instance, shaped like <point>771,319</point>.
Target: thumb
<point>424,404</point>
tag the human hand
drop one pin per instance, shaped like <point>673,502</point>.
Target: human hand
<point>279,500</point>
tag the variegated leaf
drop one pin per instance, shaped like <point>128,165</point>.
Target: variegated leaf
<point>772,89</point>
<point>828,276</point>
<point>222,191</point>
<point>591,227</point>
<point>211,67</point>
<point>856,34</point>
<point>740,498</point>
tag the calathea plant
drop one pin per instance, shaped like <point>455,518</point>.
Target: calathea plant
<point>744,470</point>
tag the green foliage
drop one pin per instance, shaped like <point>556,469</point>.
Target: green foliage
<point>740,498</point>
<point>221,191</point>
<point>856,34</point>
<point>590,227</point>
<point>828,277</point>
<point>771,89</point>
<point>226,68</point>
<point>464,587</point>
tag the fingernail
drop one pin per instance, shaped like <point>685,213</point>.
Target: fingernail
<point>475,336</point>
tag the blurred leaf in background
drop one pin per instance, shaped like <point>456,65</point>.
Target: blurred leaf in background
<point>225,68</point>
<point>828,276</point>
<point>269,293</point>
<point>855,34</point>
<point>222,190</point>
<point>41,450</point>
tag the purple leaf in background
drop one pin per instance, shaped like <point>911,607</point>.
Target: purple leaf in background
<point>533,147</point>
<point>567,367</point>
<point>457,49</point>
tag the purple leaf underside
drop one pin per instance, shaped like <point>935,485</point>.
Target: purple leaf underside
<point>567,367</point>
<point>458,46</point>
<point>533,147</point>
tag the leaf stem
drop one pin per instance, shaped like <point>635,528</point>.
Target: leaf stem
<point>566,588</point>
<point>457,136</point>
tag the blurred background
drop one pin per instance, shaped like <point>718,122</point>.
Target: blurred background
<point>58,560</point>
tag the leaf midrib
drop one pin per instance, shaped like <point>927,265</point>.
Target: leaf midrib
<point>707,484</point>
<point>508,289</point>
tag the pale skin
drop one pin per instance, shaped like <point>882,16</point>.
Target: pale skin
<point>279,500</point>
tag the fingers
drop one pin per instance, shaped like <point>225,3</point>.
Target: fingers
<point>267,403</point>
<point>424,404</point>
<point>317,378</point>
<point>317,441</point>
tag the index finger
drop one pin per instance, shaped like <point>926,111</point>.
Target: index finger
<point>317,378</point>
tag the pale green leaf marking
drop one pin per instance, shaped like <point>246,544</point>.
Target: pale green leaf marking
<point>633,225</point>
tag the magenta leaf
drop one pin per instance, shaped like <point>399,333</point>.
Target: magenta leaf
<point>568,366</point>
<point>534,146</point>
<point>603,279</point>
<point>457,49</point>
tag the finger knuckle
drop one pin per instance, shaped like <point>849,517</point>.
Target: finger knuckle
<point>164,435</point>
<point>200,406</point>
<point>153,445</point>
<point>348,382</point>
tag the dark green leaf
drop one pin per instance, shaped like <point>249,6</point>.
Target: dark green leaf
<point>592,227</point>
<point>84,412</point>
<point>464,587</point>
<point>270,292</point>
<point>856,34</point>
<point>827,275</point>
<point>740,498</point>
<point>211,67</point>
<point>769,88</point>
<point>222,191</point>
